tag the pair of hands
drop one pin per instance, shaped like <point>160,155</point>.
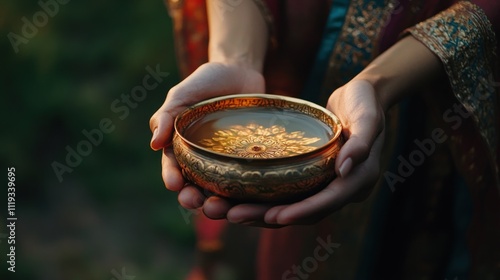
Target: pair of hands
<point>357,164</point>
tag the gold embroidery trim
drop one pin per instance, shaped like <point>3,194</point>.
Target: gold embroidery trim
<point>463,38</point>
<point>358,42</point>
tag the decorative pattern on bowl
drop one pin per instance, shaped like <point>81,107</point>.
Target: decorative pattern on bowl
<point>251,161</point>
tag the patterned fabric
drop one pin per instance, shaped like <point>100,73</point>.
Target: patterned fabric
<point>463,39</point>
<point>358,41</point>
<point>190,23</point>
<point>408,234</point>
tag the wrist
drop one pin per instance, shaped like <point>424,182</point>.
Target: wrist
<point>238,37</point>
<point>401,71</point>
<point>380,83</point>
<point>237,60</point>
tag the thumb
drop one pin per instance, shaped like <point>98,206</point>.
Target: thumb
<point>209,80</point>
<point>363,120</point>
<point>162,121</point>
<point>161,124</point>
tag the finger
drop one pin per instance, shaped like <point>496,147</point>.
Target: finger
<point>271,216</point>
<point>216,207</point>
<point>171,174</point>
<point>354,151</point>
<point>190,197</point>
<point>161,124</point>
<point>336,195</point>
<point>312,209</point>
<point>162,121</point>
<point>205,82</point>
<point>363,121</point>
<point>245,213</point>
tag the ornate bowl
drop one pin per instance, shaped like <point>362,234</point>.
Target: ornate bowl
<point>257,147</point>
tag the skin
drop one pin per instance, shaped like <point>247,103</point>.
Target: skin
<point>236,55</point>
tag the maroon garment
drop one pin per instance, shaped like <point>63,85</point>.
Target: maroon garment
<point>415,235</point>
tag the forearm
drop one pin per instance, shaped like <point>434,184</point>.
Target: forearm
<point>459,42</point>
<point>238,33</point>
<point>402,70</point>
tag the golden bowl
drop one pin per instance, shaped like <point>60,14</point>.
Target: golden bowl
<point>257,147</point>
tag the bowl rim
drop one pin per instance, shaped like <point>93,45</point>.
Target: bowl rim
<point>335,119</point>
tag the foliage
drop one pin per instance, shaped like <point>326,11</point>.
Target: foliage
<point>111,211</point>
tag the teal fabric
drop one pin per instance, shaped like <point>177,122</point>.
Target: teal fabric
<point>331,33</point>
<point>313,90</point>
<point>460,261</point>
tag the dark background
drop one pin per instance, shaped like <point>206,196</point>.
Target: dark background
<point>111,217</point>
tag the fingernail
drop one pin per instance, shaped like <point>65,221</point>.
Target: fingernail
<point>155,133</point>
<point>345,167</point>
<point>237,220</point>
<point>153,138</point>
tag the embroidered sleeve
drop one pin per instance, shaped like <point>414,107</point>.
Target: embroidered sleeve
<point>463,38</point>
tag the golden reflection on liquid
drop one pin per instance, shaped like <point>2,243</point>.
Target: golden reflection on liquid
<point>256,141</point>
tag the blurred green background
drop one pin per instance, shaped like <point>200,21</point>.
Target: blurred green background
<point>111,217</point>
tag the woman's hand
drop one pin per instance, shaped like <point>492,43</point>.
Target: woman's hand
<point>209,80</point>
<point>357,167</point>
<point>398,72</point>
<point>360,105</point>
